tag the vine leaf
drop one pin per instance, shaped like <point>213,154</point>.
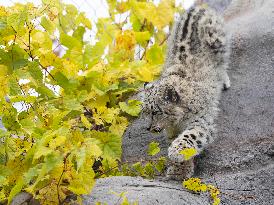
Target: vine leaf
<point>153,148</point>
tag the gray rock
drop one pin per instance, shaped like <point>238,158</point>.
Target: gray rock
<point>241,161</point>
<point>240,7</point>
<point>21,199</point>
<point>218,5</point>
<point>142,191</point>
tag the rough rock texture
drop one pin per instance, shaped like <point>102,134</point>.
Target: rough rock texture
<point>143,191</point>
<point>241,161</point>
<point>240,7</point>
<point>218,5</point>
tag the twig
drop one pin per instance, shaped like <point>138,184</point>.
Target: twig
<point>61,176</point>
<point>164,40</point>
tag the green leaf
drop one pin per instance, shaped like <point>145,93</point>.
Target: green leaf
<point>71,103</point>
<point>42,151</point>
<point>47,24</point>
<point>31,173</point>
<point>27,99</point>
<point>71,9</point>
<point>155,55</point>
<point>160,164</point>
<point>14,87</point>
<point>16,189</point>
<point>80,158</point>
<point>51,162</point>
<point>19,63</point>
<point>79,33</point>
<point>69,41</point>
<point>82,19</point>
<point>149,169</point>
<point>17,21</point>
<point>139,168</point>
<point>153,148</point>
<point>109,143</point>
<point>136,24</point>
<point>132,107</point>
<point>64,82</point>
<point>35,72</point>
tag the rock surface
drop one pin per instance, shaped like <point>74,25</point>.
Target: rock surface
<point>142,191</point>
<point>241,161</point>
<point>218,5</point>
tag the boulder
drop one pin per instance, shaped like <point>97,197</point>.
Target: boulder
<point>142,191</point>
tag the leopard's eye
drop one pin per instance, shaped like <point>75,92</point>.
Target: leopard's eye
<point>154,112</point>
<point>166,98</point>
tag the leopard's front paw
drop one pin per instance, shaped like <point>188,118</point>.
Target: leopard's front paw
<point>175,148</point>
<point>181,171</point>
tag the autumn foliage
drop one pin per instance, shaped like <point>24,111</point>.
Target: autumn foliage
<point>73,108</point>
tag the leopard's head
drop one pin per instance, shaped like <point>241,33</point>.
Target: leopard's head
<point>164,104</point>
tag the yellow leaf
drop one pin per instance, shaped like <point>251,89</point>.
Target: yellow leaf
<point>142,37</point>
<point>195,184</point>
<point>38,37</point>
<point>83,181</point>
<point>84,20</point>
<point>125,40</point>
<point>119,126</point>
<point>3,81</point>
<point>159,16</point>
<point>188,152</point>
<point>165,7</point>
<point>42,151</point>
<point>85,121</point>
<point>145,74</point>
<point>92,149</point>
<point>97,101</point>
<point>2,195</point>
<point>105,114</point>
<point>216,201</point>
<point>59,140</point>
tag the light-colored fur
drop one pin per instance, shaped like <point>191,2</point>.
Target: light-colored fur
<point>184,101</point>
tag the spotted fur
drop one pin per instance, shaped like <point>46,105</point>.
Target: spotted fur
<point>184,101</point>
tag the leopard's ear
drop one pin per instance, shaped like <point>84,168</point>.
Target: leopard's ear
<point>171,95</point>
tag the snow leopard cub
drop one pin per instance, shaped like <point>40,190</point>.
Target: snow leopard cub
<point>184,101</point>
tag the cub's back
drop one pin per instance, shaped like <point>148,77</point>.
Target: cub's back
<point>197,38</point>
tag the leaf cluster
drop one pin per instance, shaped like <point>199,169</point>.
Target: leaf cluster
<point>197,186</point>
<point>63,98</point>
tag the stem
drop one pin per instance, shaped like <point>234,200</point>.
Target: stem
<point>15,35</point>
<point>59,181</point>
<point>164,40</point>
